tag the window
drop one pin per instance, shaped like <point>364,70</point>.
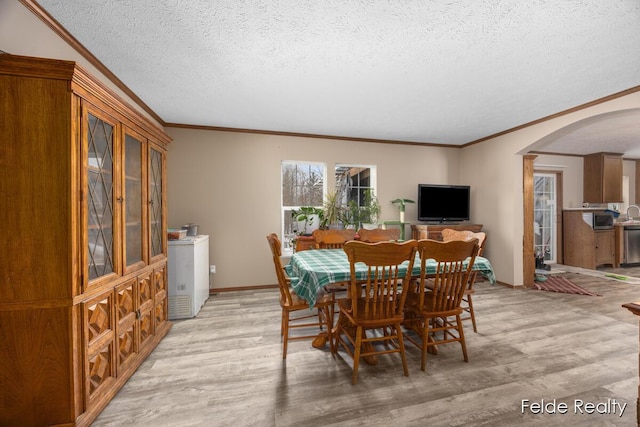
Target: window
<point>303,184</point>
<point>354,182</point>
<point>355,185</point>
<point>544,212</point>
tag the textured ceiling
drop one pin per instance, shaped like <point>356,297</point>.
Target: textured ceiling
<point>444,72</point>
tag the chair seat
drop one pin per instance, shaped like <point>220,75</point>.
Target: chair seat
<point>298,303</point>
<point>412,304</point>
<point>375,322</point>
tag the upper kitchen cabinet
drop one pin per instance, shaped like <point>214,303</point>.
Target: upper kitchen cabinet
<point>83,261</point>
<point>602,178</point>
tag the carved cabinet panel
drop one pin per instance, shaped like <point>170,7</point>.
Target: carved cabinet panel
<point>145,308</point>
<point>127,326</point>
<point>161,301</point>
<point>99,333</point>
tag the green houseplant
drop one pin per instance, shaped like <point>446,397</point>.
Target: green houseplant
<point>308,218</point>
<point>370,211</point>
<point>333,211</point>
<point>352,215</point>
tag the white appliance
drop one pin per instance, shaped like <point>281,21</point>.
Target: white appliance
<point>188,271</point>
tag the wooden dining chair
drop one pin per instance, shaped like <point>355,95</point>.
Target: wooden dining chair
<point>333,239</point>
<point>292,303</point>
<point>379,235</point>
<point>433,304</point>
<point>376,303</point>
<point>449,234</point>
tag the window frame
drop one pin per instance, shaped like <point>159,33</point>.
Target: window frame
<point>287,234</point>
<point>373,179</point>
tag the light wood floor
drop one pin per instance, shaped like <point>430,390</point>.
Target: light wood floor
<point>224,368</point>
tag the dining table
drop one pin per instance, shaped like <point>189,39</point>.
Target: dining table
<point>312,270</point>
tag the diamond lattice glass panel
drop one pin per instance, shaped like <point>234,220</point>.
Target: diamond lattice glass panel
<point>100,197</point>
<point>155,192</point>
<point>133,199</point>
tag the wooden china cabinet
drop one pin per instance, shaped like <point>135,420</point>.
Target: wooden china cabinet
<point>83,297</point>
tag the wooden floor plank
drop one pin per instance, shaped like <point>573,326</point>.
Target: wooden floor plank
<point>225,368</point>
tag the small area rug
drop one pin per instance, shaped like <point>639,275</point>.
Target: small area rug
<point>562,285</point>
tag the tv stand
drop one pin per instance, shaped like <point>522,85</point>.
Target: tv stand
<point>434,231</point>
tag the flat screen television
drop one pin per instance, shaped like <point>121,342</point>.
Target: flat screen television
<point>443,203</point>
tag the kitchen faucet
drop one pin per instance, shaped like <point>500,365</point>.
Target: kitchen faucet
<point>632,206</point>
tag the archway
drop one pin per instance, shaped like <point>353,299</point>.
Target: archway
<point>585,136</point>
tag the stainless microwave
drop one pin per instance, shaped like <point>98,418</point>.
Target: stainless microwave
<point>602,221</point>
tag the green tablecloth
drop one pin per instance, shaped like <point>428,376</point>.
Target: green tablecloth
<point>312,270</point>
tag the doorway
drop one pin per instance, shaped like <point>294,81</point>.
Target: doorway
<point>546,218</point>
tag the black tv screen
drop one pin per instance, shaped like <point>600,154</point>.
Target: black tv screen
<point>443,203</point>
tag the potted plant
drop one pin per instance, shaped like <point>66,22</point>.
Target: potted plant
<point>333,212</point>
<point>352,215</point>
<point>308,218</point>
<point>401,205</point>
<point>370,211</point>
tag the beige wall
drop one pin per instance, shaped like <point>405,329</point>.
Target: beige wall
<point>496,173</point>
<point>571,168</point>
<point>229,184</point>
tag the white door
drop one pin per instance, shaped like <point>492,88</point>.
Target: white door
<point>544,216</point>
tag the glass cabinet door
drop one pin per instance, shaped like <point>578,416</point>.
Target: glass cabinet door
<point>155,201</point>
<point>100,197</point>
<point>133,201</point>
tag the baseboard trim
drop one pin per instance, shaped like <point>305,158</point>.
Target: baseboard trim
<point>508,285</point>
<point>241,288</point>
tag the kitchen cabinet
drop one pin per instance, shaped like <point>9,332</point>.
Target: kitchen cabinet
<point>605,247</point>
<point>83,260</point>
<point>602,178</point>
<point>582,245</point>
